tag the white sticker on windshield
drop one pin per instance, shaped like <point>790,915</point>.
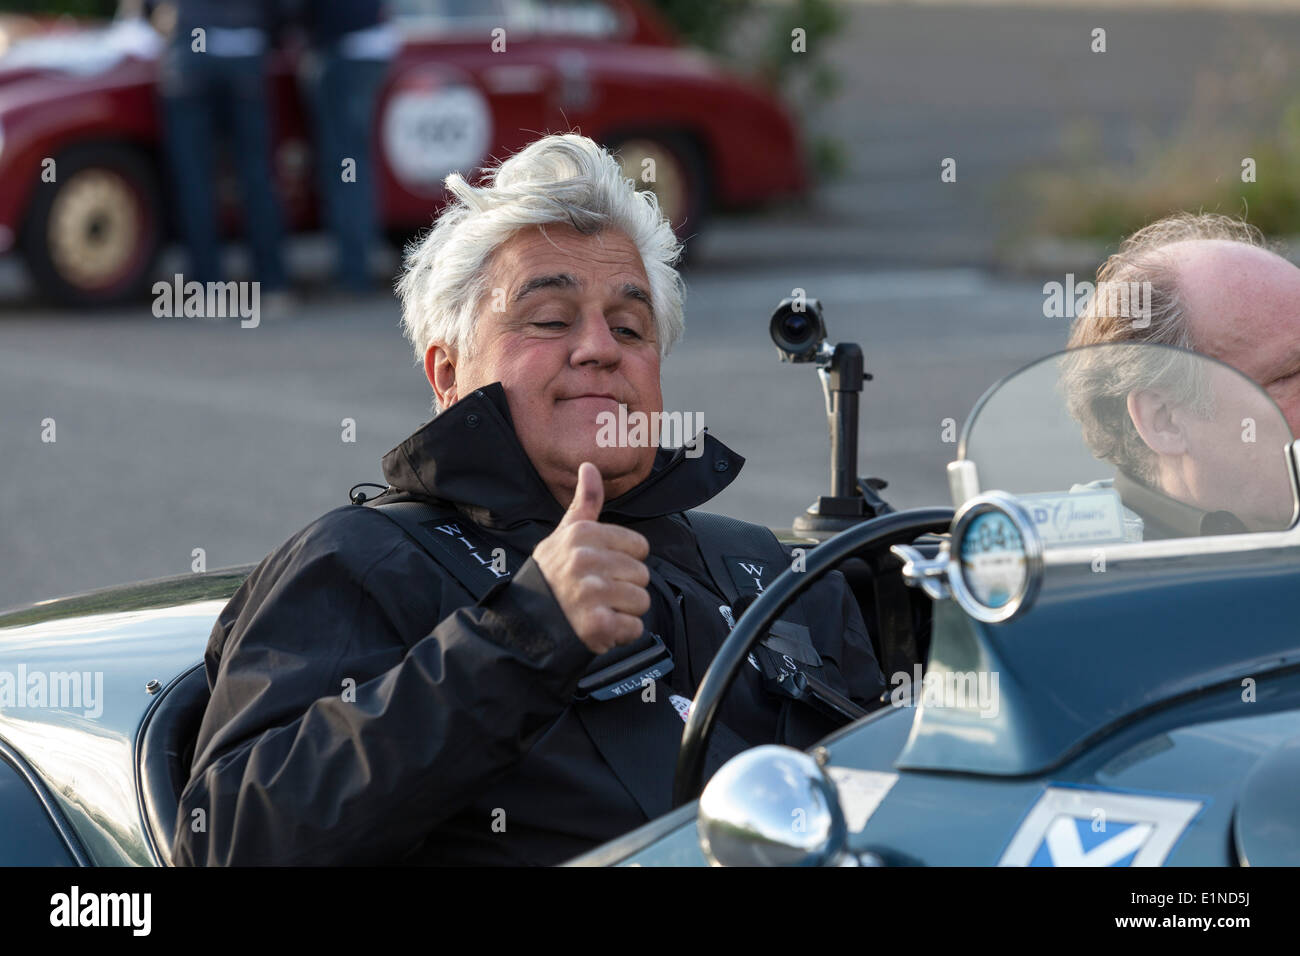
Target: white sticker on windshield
<point>861,792</point>
<point>1083,516</point>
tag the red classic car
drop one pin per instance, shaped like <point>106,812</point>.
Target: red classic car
<point>82,189</point>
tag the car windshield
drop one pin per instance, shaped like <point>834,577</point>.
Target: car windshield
<point>574,17</point>
<point>1127,442</point>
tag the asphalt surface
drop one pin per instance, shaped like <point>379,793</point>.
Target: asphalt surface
<point>179,434</point>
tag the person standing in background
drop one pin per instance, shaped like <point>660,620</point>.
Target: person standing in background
<point>213,85</point>
<point>351,47</point>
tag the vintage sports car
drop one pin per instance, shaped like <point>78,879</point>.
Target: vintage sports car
<point>1081,670</point>
<point>91,231</point>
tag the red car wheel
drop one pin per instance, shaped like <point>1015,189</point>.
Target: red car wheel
<point>93,236</point>
<point>670,165</point>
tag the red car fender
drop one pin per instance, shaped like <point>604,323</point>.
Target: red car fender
<point>456,110</point>
<point>44,115</point>
<point>732,120</point>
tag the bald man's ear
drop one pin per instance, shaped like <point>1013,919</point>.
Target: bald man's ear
<point>1158,421</point>
<point>440,369</point>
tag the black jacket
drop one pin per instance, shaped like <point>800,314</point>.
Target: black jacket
<point>365,710</point>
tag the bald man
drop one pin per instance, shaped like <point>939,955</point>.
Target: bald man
<point>1212,286</point>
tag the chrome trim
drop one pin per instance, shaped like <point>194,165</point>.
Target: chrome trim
<point>823,356</point>
<point>1293,460</point>
<point>963,481</point>
<point>825,377</point>
<point>1175,547</point>
<point>1006,504</point>
<point>57,818</point>
<point>137,760</point>
<point>928,574</point>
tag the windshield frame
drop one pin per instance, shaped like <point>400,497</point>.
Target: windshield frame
<point>964,483</point>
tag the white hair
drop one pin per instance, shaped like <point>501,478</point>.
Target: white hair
<point>557,179</point>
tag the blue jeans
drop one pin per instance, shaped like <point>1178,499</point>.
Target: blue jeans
<point>207,99</point>
<point>342,93</point>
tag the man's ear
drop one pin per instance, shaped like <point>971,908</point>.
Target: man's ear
<point>1158,422</point>
<point>440,369</point>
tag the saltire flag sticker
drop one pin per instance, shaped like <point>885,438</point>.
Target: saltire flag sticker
<point>1074,826</point>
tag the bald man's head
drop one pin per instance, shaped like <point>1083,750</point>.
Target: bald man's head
<point>1215,289</point>
<point>1242,306</point>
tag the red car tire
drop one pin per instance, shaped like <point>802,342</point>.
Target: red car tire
<point>93,235</point>
<point>682,180</point>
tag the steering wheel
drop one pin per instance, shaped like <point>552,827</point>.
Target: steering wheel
<point>896,528</point>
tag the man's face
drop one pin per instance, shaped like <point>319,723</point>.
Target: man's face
<point>1228,460</point>
<point>1243,308</point>
<point>576,338</point>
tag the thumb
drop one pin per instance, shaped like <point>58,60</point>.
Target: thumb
<point>589,497</point>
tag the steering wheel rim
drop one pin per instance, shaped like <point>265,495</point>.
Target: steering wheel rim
<point>895,528</point>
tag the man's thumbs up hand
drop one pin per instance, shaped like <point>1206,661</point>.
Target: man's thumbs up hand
<point>596,571</point>
<point>589,497</point>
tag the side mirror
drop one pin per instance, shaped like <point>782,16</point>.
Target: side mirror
<point>772,806</point>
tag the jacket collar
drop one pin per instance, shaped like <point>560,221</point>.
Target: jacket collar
<point>1165,517</point>
<point>470,456</point>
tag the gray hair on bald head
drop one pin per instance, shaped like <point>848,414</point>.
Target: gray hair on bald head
<point>1098,381</point>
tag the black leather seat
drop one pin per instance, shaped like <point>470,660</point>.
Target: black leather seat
<point>165,755</point>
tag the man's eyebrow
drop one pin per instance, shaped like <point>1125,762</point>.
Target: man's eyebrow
<point>564,280</point>
<point>560,280</point>
<point>633,291</point>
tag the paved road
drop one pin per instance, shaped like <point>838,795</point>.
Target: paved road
<point>175,434</point>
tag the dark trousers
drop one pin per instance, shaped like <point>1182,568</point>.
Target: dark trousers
<point>342,93</point>
<point>207,99</point>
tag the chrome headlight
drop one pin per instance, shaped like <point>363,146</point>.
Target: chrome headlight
<point>772,806</point>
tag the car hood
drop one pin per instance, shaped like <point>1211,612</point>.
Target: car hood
<point>74,679</point>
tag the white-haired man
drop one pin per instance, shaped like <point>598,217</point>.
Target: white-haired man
<point>438,692</point>
<point>1206,283</point>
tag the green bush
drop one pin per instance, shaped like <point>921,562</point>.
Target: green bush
<point>756,39</point>
<point>1253,112</point>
